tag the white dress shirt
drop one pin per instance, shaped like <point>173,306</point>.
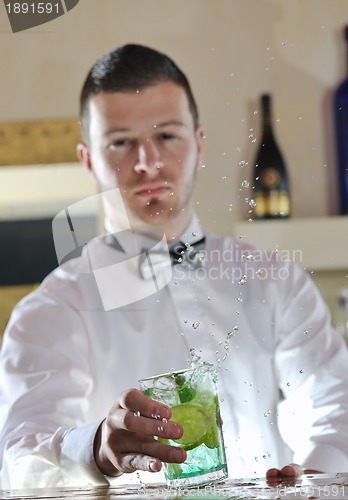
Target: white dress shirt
<point>283,383</point>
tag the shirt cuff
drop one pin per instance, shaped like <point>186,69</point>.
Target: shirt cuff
<point>77,454</point>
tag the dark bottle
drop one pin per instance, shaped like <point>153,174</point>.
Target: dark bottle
<point>270,181</point>
<point>341,121</point>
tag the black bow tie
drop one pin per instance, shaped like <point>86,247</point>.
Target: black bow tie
<point>152,261</point>
<point>183,252</point>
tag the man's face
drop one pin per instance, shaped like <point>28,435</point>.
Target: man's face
<point>145,144</point>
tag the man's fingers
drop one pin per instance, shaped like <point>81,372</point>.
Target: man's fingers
<point>273,473</point>
<point>128,442</point>
<point>134,422</point>
<point>135,412</point>
<point>136,401</point>
<point>131,463</point>
<point>128,463</point>
<point>291,470</point>
<point>147,456</point>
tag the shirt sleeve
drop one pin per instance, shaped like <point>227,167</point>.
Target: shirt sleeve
<point>312,364</point>
<point>44,436</point>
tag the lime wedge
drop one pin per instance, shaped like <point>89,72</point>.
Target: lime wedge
<point>211,439</point>
<point>194,422</point>
<point>210,403</point>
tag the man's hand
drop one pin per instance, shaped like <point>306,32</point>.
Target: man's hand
<point>125,440</point>
<point>288,473</point>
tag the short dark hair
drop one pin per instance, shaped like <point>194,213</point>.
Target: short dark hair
<point>131,67</point>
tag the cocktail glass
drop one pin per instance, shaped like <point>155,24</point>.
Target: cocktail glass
<point>192,396</point>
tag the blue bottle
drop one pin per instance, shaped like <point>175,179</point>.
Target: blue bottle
<point>341,122</point>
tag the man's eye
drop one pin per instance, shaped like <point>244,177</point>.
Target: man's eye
<point>166,136</point>
<point>119,143</point>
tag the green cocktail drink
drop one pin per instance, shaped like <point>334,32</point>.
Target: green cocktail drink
<point>192,396</point>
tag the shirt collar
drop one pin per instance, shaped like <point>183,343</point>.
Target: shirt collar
<point>134,243</point>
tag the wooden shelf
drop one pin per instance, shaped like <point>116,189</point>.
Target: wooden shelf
<point>315,243</point>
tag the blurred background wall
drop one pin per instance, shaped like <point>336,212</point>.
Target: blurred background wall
<point>232,51</point>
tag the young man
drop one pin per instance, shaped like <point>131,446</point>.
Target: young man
<point>75,349</point>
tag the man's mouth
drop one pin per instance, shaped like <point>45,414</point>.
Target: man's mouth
<point>153,190</point>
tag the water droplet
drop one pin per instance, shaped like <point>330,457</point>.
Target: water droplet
<point>243,280</point>
<point>195,325</point>
<point>243,163</point>
<point>288,384</point>
<point>233,331</point>
<point>248,257</point>
<point>160,428</point>
<point>194,357</point>
<point>245,184</point>
<point>164,420</point>
<point>155,416</point>
<point>259,272</point>
<point>301,371</point>
<point>137,413</point>
<point>252,203</point>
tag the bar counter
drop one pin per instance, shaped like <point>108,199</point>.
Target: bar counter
<point>319,486</point>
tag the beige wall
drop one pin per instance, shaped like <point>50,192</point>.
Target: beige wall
<point>232,50</point>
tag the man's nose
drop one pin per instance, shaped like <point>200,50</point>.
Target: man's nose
<point>149,160</point>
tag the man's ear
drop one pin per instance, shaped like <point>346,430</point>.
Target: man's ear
<point>200,136</point>
<point>85,158</point>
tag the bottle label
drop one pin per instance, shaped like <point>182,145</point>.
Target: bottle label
<point>272,204</point>
<point>270,178</point>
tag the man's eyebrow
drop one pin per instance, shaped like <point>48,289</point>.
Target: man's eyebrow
<point>177,123</point>
<point>114,130</point>
<point>121,130</point>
